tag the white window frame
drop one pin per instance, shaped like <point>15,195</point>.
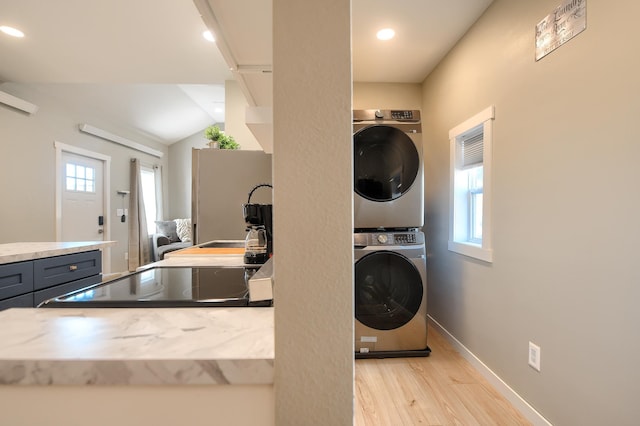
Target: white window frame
<point>458,205</point>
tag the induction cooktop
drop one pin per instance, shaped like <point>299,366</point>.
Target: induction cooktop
<point>214,286</point>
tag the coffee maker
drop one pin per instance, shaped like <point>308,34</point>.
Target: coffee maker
<point>258,244</point>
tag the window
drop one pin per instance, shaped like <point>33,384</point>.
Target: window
<point>80,178</point>
<point>470,196</point>
<point>151,180</point>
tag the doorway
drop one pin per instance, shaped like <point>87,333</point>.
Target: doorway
<point>82,188</point>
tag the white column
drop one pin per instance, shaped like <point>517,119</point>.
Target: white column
<point>313,251</point>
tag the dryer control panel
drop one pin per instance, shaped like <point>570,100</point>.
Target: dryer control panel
<point>388,239</point>
<point>381,115</point>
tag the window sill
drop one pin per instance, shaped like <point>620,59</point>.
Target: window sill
<point>472,250</point>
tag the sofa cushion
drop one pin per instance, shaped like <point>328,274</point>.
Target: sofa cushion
<point>168,228</point>
<point>183,229</point>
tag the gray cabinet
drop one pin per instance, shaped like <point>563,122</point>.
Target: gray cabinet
<point>29,283</point>
<point>16,279</point>
<point>23,301</point>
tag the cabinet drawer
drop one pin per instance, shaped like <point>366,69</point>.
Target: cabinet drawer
<point>24,301</point>
<point>63,269</point>
<point>15,279</point>
<point>49,293</point>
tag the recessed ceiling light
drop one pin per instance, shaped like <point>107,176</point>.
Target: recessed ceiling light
<point>208,36</point>
<point>385,34</point>
<point>13,32</point>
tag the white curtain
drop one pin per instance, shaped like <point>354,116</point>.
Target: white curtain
<point>139,250</point>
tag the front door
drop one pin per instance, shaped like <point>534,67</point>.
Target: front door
<point>82,198</point>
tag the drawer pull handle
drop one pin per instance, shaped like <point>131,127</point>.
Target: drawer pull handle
<point>73,267</point>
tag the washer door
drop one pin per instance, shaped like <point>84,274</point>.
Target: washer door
<point>388,290</point>
<point>386,163</point>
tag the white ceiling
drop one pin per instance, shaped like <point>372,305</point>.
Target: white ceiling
<point>425,31</point>
<point>144,63</point>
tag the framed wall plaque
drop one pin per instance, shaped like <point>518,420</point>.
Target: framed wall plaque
<point>565,22</point>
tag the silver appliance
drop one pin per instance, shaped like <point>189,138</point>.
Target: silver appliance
<point>259,221</point>
<point>220,181</point>
<point>176,287</point>
<point>388,169</point>
<point>390,294</point>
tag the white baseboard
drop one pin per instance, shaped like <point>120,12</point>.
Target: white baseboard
<point>504,389</point>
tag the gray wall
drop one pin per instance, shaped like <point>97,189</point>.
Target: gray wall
<point>180,174</point>
<point>387,96</point>
<point>565,208</point>
<point>27,166</point>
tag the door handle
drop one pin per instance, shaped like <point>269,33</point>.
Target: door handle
<point>100,220</point>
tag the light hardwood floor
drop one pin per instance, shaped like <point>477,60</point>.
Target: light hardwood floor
<point>442,389</point>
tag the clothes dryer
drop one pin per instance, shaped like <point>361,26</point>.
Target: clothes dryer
<point>388,169</point>
<point>390,294</point>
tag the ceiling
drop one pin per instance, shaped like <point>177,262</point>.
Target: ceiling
<point>145,65</point>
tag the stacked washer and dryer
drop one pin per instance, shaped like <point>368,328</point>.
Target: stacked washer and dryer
<point>389,246</point>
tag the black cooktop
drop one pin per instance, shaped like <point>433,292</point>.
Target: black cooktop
<point>167,287</point>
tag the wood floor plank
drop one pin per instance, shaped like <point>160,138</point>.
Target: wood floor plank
<point>442,389</point>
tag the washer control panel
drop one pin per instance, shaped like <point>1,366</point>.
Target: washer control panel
<point>402,239</point>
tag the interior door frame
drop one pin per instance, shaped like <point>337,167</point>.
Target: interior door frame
<point>106,180</point>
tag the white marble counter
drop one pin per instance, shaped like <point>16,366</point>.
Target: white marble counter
<point>16,252</point>
<point>149,346</point>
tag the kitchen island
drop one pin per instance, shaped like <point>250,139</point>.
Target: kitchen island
<point>161,366</point>
<point>16,252</point>
<point>32,272</point>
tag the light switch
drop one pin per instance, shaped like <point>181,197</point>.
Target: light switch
<point>119,212</point>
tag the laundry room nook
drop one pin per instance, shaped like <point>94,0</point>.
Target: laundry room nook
<point>389,249</point>
<point>397,344</point>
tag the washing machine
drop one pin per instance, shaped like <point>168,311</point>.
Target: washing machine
<point>388,169</point>
<point>390,294</point>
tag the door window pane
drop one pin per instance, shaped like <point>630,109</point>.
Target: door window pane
<point>79,178</point>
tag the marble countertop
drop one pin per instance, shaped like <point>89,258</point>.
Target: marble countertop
<point>152,346</point>
<point>142,346</point>
<point>16,252</point>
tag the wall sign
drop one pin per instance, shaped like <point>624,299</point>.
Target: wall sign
<point>565,22</point>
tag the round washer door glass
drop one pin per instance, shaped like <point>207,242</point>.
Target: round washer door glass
<point>388,290</point>
<point>386,163</point>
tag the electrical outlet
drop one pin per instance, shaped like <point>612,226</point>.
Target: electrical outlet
<point>534,356</point>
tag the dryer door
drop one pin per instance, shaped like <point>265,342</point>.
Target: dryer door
<point>388,290</point>
<point>386,163</point>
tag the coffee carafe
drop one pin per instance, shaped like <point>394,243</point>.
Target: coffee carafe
<point>258,245</point>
